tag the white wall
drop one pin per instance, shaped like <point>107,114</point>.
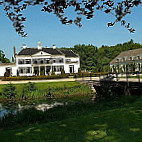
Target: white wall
<point>76,65</point>
<point>66,65</point>
<point>14,71</point>
<point>2,70</point>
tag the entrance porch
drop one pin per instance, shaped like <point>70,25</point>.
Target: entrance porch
<point>41,70</point>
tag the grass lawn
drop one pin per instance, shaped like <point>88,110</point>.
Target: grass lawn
<point>58,89</point>
<point>45,85</point>
<point>120,124</point>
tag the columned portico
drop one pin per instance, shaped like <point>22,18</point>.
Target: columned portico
<point>45,71</point>
<point>42,61</point>
<point>39,70</point>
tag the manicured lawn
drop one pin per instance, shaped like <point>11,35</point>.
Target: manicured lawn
<point>120,124</point>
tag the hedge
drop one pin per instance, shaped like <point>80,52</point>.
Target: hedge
<point>34,77</point>
<point>87,74</point>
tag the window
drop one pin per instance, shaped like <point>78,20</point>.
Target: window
<point>41,61</point>
<point>68,60</point>
<point>61,60</point>
<point>21,70</point>
<point>138,57</point>
<point>54,60</point>
<point>35,62</point>
<point>28,70</point>
<point>47,61</point>
<point>20,61</point>
<point>61,68</point>
<point>130,58</point>
<point>57,68</point>
<point>28,61</point>
<point>117,60</point>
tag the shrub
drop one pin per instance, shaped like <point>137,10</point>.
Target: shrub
<point>42,73</point>
<point>62,72</point>
<point>28,89</point>
<point>9,91</point>
<point>79,72</point>
<point>52,73</point>
<point>6,74</point>
<point>30,86</point>
<point>34,77</point>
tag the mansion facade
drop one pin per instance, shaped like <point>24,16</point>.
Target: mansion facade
<point>127,61</point>
<point>41,61</point>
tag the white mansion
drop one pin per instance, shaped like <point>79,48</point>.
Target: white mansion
<point>41,61</point>
<point>127,61</point>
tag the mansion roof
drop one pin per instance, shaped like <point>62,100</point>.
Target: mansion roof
<point>69,53</point>
<point>32,51</point>
<point>127,56</point>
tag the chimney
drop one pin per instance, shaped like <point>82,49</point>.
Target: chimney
<point>54,46</point>
<point>14,51</point>
<point>24,46</point>
<point>39,45</point>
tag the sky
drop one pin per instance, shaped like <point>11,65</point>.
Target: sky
<point>48,29</point>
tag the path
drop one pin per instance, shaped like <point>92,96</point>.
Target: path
<point>49,80</point>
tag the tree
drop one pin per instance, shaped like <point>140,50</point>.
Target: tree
<point>119,10</point>
<point>3,59</point>
<point>97,59</point>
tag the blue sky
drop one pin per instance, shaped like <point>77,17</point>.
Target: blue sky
<point>48,29</point>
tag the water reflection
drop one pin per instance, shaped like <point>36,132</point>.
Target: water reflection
<point>13,107</point>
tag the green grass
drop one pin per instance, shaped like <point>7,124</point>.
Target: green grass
<point>113,121</point>
<point>45,85</point>
<point>58,89</point>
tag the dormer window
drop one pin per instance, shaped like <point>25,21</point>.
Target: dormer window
<point>138,57</point>
<point>117,60</point>
<point>41,61</point>
<point>131,58</point>
<point>35,62</point>
<point>54,60</point>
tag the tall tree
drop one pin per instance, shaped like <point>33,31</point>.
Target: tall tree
<point>3,59</point>
<point>98,59</point>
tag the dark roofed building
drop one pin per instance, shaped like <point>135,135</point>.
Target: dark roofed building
<point>69,53</point>
<point>32,51</point>
<point>130,60</point>
<point>41,61</point>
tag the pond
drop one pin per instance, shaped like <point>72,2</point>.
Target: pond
<point>13,107</point>
<point>7,107</point>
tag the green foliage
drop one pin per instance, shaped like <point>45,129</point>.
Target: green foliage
<point>57,89</point>
<point>62,72</point>
<point>97,59</point>
<point>52,73</point>
<point>6,74</point>
<point>3,59</point>
<point>9,91</point>
<point>42,73</point>
<point>79,72</point>
<point>119,119</point>
<point>34,77</point>
<point>28,89</point>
